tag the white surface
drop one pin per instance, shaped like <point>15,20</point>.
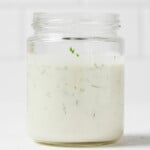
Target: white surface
<point>8,29</point>
<point>13,134</point>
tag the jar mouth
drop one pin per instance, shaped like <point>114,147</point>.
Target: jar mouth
<point>109,18</point>
<point>65,22</point>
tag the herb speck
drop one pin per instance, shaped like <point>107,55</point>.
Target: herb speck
<point>96,65</point>
<point>77,54</point>
<point>77,102</point>
<point>71,50</point>
<point>95,86</point>
<point>43,71</point>
<point>93,115</point>
<point>82,90</point>
<point>64,108</point>
<point>48,94</point>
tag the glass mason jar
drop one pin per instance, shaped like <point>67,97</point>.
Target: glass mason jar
<point>75,79</point>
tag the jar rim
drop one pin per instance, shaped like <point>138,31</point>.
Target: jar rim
<point>76,23</point>
<point>109,18</point>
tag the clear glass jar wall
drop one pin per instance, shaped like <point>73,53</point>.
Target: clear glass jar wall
<point>75,79</point>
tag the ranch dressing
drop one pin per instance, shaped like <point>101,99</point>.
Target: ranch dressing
<point>74,102</point>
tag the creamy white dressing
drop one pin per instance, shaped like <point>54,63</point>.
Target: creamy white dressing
<point>75,100</point>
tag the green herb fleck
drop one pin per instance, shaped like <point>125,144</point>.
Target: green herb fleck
<point>71,50</point>
<point>77,54</point>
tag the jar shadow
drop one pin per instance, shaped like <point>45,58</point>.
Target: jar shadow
<point>132,140</point>
<point>135,140</point>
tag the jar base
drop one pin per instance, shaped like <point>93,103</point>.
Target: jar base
<point>76,144</point>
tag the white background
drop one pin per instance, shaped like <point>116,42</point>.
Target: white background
<point>15,20</point>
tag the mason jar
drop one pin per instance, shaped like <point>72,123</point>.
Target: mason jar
<point>75,79</point>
